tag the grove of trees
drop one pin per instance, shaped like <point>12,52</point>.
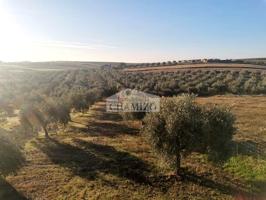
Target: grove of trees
<point>48,97</point>
<point>200,82</point>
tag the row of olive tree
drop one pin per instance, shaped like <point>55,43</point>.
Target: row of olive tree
<point>174,62</point>
<point>41,111</point>
<point>47,109</point>
<point>182,126</point>
<point>201,82</point>
<point>59,94</point>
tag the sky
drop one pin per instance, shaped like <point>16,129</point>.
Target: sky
<point>131,30</point>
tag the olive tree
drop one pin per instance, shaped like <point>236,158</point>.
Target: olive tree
<point>182,127</point>
<point>32,117</point>
<point>176,129</point>
<point>78,101</point>
<point>44,114</point>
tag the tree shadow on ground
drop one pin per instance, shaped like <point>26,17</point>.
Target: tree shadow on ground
<point>230,187</point>
<point>8,192</point>
<point>11,159</point>
<point>87,159</point>
<point>104,128</point>
<point>110,129</point>
<point>225,186</point>
<point>101,114</point>
<point>110,116</point>
<point>250,189</point>
<point>249,148</point>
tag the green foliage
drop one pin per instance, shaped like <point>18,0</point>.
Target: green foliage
<point>41,115</point>
<point>11,157</point>
<point>218,130</point>
<point>63,113</point>
<point>176,129</point>
<point>247,167</point>
<point>182,127</point>
<point>78,101</point>
<point>200,82</point>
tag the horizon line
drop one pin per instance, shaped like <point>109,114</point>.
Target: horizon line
<point>102,61</point>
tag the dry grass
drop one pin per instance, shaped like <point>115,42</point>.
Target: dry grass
<point>101,157</point>
<point>250,112</point>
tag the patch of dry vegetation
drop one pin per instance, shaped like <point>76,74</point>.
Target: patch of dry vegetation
<point>100,156</point>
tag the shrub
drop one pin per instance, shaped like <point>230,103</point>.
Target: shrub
<point>218,130</point>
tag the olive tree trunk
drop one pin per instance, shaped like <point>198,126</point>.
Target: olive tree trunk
<point>45,132</point>
<point>178,164</point>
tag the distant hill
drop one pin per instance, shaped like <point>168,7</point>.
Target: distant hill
<point>70,65</point>
<point>257,61</point>
<point>56,65</point>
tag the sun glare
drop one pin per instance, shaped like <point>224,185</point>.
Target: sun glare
<point>13,40</point>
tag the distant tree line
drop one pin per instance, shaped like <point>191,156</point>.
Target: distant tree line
<point>193,61</point>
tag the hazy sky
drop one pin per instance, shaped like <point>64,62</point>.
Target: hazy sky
<point>131,30</point>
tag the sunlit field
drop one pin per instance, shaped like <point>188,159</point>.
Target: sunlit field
<point>98,155</point>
